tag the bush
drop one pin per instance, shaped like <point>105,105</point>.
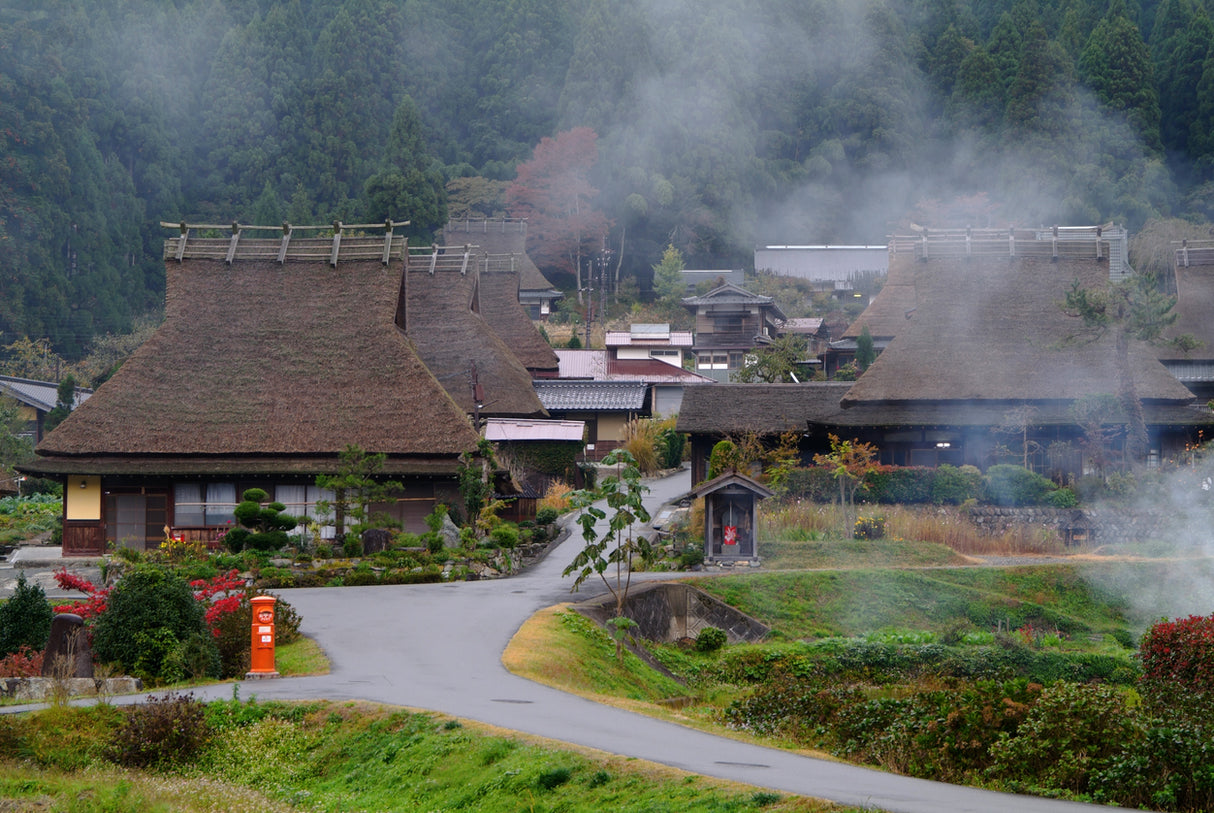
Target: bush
<point>25,619</point>
<point>505,535</point>
<point>897,485</point>
<point>953,486</point>
<point>546,516</point>
<point>1180,652</point>
<point>165,731</point>
<point>711,639</point>
<point>1010,485</point>
<point>150,611</point>
<point>724,456</point>
<point>1072,731</point>
<point>870,528</point>
<point>692,556</point>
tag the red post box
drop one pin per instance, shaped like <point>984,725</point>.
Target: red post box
<point>261,658</point>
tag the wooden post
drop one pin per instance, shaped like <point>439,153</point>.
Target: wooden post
<point>286,239</point>
<point>336,243</point>
<point>232,244</point>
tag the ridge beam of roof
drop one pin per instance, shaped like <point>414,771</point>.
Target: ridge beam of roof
<point>286,241</point>
<point>234,241</point>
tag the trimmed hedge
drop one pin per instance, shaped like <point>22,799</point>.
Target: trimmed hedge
<point>916,485</point>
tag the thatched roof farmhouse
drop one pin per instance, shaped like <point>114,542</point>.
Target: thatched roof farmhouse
<point>276,355</point>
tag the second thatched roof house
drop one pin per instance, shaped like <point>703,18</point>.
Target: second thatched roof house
<point>981,364</point>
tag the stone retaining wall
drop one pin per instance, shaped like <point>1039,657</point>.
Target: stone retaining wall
<point>40,689</point>
<point>1075,526</point>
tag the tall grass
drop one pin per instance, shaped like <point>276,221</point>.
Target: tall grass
<point>556,497</point>
<point>801,521</point>
<point>641,439</point>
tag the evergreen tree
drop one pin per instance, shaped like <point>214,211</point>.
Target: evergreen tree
<point>668,286</point>
<point>65,402</point>
<point>25,619</point>
<point>410,187</point>
<point>1115,64</point>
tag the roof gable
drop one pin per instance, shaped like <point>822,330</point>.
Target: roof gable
<point>453,340</point>
<point>499,235</point>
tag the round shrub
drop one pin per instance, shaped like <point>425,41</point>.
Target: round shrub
<point>724,456</point>
<point>710,639</point>
<point>25,619</point>
<point>546,516</point>
<point>953,486</point>
<point>505,535</point>
<point>1010,485</point>
<point>147,609</point>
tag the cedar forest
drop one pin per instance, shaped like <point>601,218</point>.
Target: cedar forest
<point>708,126</point>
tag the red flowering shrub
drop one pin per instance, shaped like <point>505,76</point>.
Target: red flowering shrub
<point>221,596</point>
<point>25,662</point>
<point>1180,651</point>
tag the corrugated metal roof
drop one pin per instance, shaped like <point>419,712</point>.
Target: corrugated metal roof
<point>42,395</point>
<point>672,338</point>
<point>590,364</point>
<point>598,396</point>
<point>500,429</point>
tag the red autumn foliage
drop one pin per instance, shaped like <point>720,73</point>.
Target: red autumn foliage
<point>1181,652</point>
<point>25,662</point>
<point>90,607</point>
<point>553,191</point>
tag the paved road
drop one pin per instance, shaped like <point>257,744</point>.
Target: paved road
<point>439,647</point>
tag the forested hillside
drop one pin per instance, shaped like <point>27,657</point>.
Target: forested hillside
<point>720,125</point>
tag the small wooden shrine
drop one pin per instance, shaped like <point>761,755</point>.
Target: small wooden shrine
<point>730,514</point>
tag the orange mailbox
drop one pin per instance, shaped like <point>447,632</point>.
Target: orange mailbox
<point>261,659</point>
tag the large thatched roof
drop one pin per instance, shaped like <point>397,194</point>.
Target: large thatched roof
<point>497,301</point>
<point>992,329</point>
<point>497,235</point>
<point>267,367</point>
<point>440,292</point>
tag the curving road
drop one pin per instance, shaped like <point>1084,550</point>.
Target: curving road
<point>439,647</point>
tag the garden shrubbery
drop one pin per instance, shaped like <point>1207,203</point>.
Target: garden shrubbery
<point>1003,484</point>
<point>1022,719</point>
<point>149,613</point>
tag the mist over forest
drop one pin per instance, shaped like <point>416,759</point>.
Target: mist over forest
<point>720,125</point>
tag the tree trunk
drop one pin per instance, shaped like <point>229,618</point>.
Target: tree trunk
<point>1137,441</point>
